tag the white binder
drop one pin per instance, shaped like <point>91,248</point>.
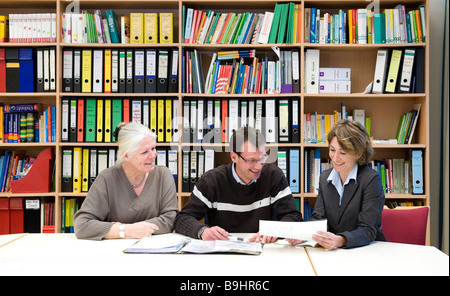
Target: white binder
<point>312,60</point>
<point>379,77</point>
<point>407,69</point>
<point>97,71</point>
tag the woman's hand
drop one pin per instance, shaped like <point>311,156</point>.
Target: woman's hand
<point>140,229</point>
<point>329,240</point>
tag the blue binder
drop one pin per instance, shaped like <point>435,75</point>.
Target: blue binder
<point>26,69</point>
<point>294,170</point>
<point>417,172</point>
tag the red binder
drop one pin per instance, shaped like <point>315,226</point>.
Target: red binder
<point>16,215</point>
<point>80,120</point>
<point>2,70</point>
<point>38,179</point>
<point>4,215</point>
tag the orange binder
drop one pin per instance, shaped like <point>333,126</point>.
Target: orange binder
<point>126,110</point>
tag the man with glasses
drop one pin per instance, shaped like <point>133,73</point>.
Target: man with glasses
<point>234,197</point>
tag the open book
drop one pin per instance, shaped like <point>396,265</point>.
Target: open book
<point>159,244</point>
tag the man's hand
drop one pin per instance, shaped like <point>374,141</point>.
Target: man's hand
<point>263,239</point>
<point>214,233</point>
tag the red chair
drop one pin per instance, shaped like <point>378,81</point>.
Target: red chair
<point>406,225</point>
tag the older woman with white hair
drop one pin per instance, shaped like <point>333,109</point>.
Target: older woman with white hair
<point>134,198</point>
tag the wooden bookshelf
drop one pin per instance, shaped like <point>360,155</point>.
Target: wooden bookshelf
<point>384,109</point>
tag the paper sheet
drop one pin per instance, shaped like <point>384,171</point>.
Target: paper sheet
<point>296,230</point>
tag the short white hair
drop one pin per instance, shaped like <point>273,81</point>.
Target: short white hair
<point>129,137</point>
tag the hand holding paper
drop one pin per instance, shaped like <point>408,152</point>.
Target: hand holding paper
<point>293,230</point>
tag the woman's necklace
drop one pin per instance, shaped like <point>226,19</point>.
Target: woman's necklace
<point>137,185</point>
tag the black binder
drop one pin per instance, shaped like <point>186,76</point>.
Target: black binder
<point>173,71</point>
<point>295,131</point>
<point>77,70</point>
<point>73,114</point>
<point>39,70</point>
<point>186,164</point>
<point>12,69</point>
<point>67,181</point>
<point>185,124</point>
<point>139,70</point>
<point>150,70</point>
<point>163,71</point>
<point>32,216</point>
<point>122,70</point>
<point>68,70</point>
<point>129,70</point>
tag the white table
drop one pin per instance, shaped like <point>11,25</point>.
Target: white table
<point>64,254</point>
<point>380,258</point>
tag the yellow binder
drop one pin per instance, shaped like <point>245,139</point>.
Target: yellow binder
<point>86,73</point>
<point>150,28</point>
<point>394,66</point>
<point>76,175</point>
<point>153,118</point>
<point>160,130</point>
<point>168,115</point>
<point>136,28</point>
<point>85,171</point>
<point>166,27</point>
<point>99,120</point>
<point>107,127</point>
<point>107,82</point>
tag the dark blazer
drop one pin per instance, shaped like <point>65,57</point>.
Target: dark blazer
<point>358,218</point>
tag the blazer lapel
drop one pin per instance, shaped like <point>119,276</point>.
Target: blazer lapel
<point>332,201</point>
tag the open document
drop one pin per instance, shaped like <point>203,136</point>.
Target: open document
<point>159,244</point>
<point>297,230</point>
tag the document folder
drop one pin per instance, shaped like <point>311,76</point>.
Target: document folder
<point>417,171</point>
<point>173,79</point>
<point>12,69</point>
<point>97,71</point>
<point>77,167</point>
<point>407,71</point>
<point>129,70</point>
<point>67,182</point>
<point>86,74</point>
<point>294,170</point>
<point>77,70</point>
<point>26,64</point>
<point>391,81</point>
<point>150,71</point>
<point>151,28</point>
<point>166,28</point>
<point>163,71</point>
<point>381,67</point>
<point>68,70</point>
<point>139,70</point>
<point>107,81</point>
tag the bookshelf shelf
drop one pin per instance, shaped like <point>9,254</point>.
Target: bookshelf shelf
<point>384,109</point>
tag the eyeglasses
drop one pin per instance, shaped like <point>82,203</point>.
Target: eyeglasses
<point>262,160</point>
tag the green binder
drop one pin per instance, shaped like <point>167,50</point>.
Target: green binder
<point>116,116</point>
<point>275,23</point>
<point>91,105</point>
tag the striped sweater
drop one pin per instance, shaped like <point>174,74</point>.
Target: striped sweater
<point>236,207</point>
